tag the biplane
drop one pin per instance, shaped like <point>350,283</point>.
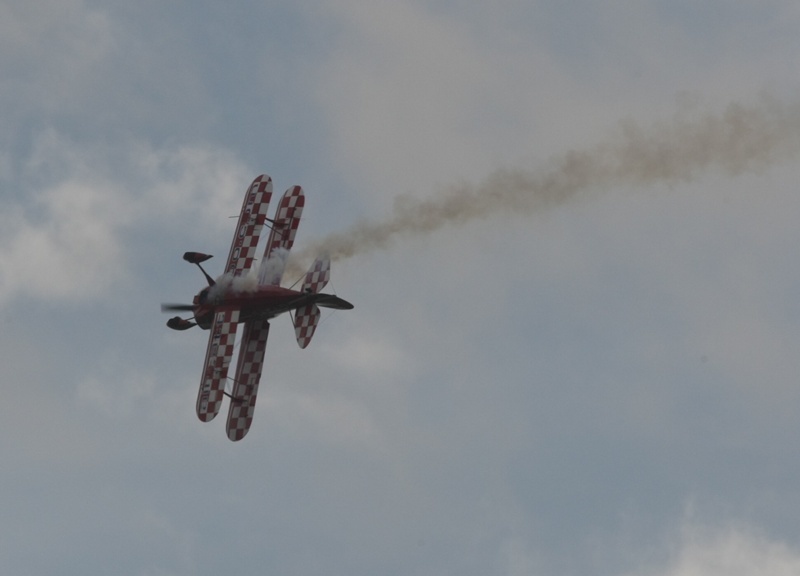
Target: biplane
<point>252,297</point>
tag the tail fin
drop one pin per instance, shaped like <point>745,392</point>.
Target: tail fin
<point>307,317</point>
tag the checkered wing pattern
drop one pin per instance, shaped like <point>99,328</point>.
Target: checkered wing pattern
<point>218,358</point>
<point>284,229</point>
<point>318,275</point>
<point>248,374</point>
<point>251,220</point>
<point>305,322</point>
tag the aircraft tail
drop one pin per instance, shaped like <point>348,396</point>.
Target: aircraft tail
<point>318,275</point>
<point>307,317</point>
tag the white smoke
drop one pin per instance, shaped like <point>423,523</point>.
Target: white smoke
<point>271,269</point>
<point>741,138</point>
<point>227,283</point>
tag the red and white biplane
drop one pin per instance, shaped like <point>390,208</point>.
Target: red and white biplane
<point>243,295</point>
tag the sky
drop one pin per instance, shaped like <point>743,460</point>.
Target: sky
<point>569,231</point>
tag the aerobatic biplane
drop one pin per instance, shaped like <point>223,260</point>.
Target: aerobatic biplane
<point>243,295</point>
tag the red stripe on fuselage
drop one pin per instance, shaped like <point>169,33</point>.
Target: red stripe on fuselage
<point>265,301</point>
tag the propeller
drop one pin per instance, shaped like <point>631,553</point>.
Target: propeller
<point>176,307</point>
<point>178,323</point>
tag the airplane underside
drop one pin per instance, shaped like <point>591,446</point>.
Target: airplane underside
<point>224,304</point>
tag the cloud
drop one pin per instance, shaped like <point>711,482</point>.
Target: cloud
<point>117,397</point>
<point>48,50</point>
<point>200,184</point>
<point>403,105</point>
<point>368,353</point>
<point>346,423</point>
<point>731,551</point>
<point>65,235</point>
<point>64,244</point>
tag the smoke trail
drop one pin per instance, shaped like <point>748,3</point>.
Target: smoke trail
<point>742,138</point>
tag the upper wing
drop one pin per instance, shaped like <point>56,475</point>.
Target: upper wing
<point>218,358</point>
<point>251,219</point>
<point>248,375</point>
<point>281,238</point>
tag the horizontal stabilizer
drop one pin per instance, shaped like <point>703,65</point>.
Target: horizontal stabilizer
<point>305,322</point>
<point>317,276</point>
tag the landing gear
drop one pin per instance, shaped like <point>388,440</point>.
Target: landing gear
<point>178,323</point>
<point>197,258</point>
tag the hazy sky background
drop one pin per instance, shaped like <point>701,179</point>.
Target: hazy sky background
<point>606,386</point>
